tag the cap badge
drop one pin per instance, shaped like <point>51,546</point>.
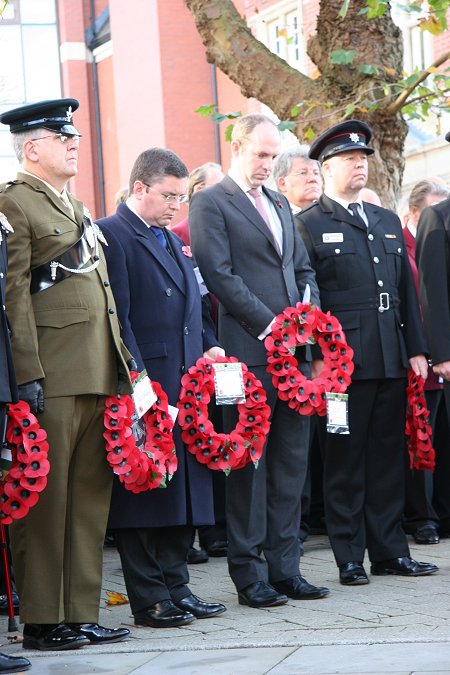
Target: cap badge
<point>354,138</point>
<point>69,113</point>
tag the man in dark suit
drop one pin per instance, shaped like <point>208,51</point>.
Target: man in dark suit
<point>68,357</point>
<point>254,261</point>
<point>166,326</point>
<point>364,277</point>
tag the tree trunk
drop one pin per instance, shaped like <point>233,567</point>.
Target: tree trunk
<point>263,75</point>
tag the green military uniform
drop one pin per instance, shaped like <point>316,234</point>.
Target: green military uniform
<point>66,336</point>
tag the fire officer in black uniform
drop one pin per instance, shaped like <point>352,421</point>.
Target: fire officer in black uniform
<point>364,277</point>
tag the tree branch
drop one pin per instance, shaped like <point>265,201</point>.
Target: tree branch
<point>401,99</point>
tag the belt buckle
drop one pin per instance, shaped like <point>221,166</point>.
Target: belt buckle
<point>384,302</point>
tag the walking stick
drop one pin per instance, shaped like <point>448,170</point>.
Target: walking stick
<point>12,623</point>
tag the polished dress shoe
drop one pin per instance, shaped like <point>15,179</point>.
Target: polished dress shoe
<point>352,574</point>
<point>50,636</point>
<point>98,634</point>
<point>13,664</point>
<point>217,549</point>
<point>426,534</point>
<point>199,608</point>
<point>4,604</point>
<point>298,588</point>
<point>163,614</point>
<point>259,595</point>
<point>405,567</point>
<point>196,556</point>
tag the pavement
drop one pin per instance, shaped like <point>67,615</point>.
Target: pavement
<point>394,625</point>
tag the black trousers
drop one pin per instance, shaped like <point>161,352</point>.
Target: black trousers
<point>364,474</point>
<point>154,564</point>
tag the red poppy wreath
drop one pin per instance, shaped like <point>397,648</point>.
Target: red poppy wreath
<point>418,430</point>
<point>222,452</point>
<point>27,477</point>
<point>140,470</point>
<point>298,326</point>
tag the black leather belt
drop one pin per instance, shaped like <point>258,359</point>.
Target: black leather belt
<point>382,302</point>
<point>75,257</point>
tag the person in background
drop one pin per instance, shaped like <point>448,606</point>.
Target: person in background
<point>253,260</point>
<point>427,502</point>
<point>370,196</point>
<point>167,327</point>
<point>212,538</point>
<point>68,358</point>
<point>365,280</point>
<point>299,179</point>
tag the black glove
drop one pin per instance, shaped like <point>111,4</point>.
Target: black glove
<point>33,394</point>
<point>132,366</point>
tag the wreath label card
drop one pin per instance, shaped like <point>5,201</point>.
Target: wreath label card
<point>337,413</point>
<point>229,383</point>
<point>143,394</point>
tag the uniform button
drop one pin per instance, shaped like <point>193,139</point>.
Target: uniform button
<point>111,311</point>
<point>370,237</point>
<point>182,370</point>
<point>95,257</point>
<point>57,230</point>
<point>337,250</point>
<point>376,260</point>
<point>168,292</point>
<point>399,250</point>
<point>106,284</point>
<point>1,275</point>
<point>186,330</point>
<point>380,283</point>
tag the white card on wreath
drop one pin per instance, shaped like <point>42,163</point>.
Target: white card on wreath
<point>229,383</point>
<point>143,394</point>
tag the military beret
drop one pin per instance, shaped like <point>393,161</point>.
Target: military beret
<point>54,115</point>
<point>349,135</point>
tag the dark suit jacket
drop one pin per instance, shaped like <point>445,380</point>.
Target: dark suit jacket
<point>354,264</point>
<point>433,262</point>
<point>8,385</point>
<point>238,260</point>
<point>160,311</point>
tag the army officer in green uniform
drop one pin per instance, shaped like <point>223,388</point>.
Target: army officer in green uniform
<point>68,356</point>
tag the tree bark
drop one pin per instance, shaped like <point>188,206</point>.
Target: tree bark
<point>263,75</point>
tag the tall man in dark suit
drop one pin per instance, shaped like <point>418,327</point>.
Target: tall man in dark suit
<point>254,261</point>
<point>365,280</point>
<point>167,328</point>
<point>68,357</point>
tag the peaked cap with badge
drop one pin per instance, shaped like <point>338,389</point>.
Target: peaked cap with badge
<point>349,135</point>
<point>54,115</point>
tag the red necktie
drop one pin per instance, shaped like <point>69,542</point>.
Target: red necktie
<point>255,193</point>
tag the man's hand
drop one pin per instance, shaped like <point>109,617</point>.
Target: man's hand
<point>33,394</point>
<point>443,370</point>
<point>213,353</point>
<point>316,368</point>
<point>419,364</point>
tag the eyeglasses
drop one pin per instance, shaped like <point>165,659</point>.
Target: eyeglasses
<point>62,138</point>
<point>169,199</point>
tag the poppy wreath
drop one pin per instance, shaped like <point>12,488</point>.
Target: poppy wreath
<point>27,477</point>
<point>418,430</point>
<point>298,326</point>
<point>140,470</point>
<point>219,451</point>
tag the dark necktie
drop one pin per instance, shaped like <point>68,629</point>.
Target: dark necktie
<point>159,234</point>
<point>354,208</point>
<point>255,193</point>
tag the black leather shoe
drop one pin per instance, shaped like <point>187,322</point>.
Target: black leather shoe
<point>47,637</point>
<point>426,534</point>
<point>261,594</point>
<point>352,574</point>
<point>199,608</point>
<point>13,664</point>
<point>163,614</point>
<point>98,634</point>
<point>4,604</point>
<point>406,567</point>
<point>217,549</point>
<point>196,556</point>
<point>298,588</point>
